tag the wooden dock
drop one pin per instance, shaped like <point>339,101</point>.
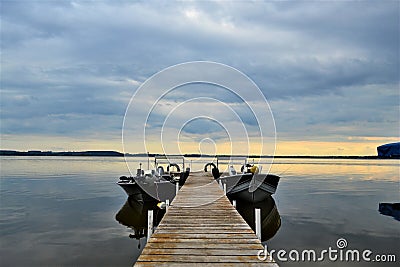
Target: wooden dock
<point>202,228</point>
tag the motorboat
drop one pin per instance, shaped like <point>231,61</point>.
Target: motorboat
<point>250,185</point>
<point>147,189</point>
<point>154,185</point>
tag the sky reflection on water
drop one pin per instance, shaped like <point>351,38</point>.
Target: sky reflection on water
<point>61,211</point>
<point>323,201</point>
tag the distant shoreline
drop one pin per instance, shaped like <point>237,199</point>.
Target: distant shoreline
<point>119,154</point>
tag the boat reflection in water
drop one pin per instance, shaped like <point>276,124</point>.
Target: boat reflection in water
<point>134,215</point>
<point>270,218</point>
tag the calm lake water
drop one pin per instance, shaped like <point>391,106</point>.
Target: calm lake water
<point>61,211</point>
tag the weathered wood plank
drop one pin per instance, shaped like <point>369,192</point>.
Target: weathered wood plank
<point>200,258</point>
<point>201,226</point>
<point>199,251</point>
<point>205,235</point>
<point>187,211</point>
<point>187,245</point>
<point>204,216</point>
<point>203,221</point>
<point>204,240</point>
<point>212,264</point>
<point>205,231</point>
<point>195,222</point>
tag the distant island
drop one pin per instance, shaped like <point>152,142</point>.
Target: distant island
<point>64,153</point>
<point>105,153</point>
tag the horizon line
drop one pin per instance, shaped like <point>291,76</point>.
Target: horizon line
<point>10,152</point>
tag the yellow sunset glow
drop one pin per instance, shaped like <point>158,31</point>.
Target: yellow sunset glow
<point>354,146</point>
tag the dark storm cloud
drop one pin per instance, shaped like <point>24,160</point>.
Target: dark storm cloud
<point>63,60</point>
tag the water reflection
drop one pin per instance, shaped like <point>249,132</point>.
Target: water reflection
<point>133,214</point>
<point>270,218</point>
<point>319,201</point>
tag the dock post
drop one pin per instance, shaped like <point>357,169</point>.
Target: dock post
<point>176,188</point>
<point>149,223</point>
<point>258,222</point>
<point>224,186</point>
<point>166,204</point>
<point>234,203</point>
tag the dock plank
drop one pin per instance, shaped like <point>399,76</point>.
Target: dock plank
<point>202,264</point>
<point>202,230</point>
<point>199,251</point>
<point>200,258</point>
<point>195,245</point>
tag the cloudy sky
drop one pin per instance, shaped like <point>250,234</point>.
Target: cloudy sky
<point>329,70</point>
